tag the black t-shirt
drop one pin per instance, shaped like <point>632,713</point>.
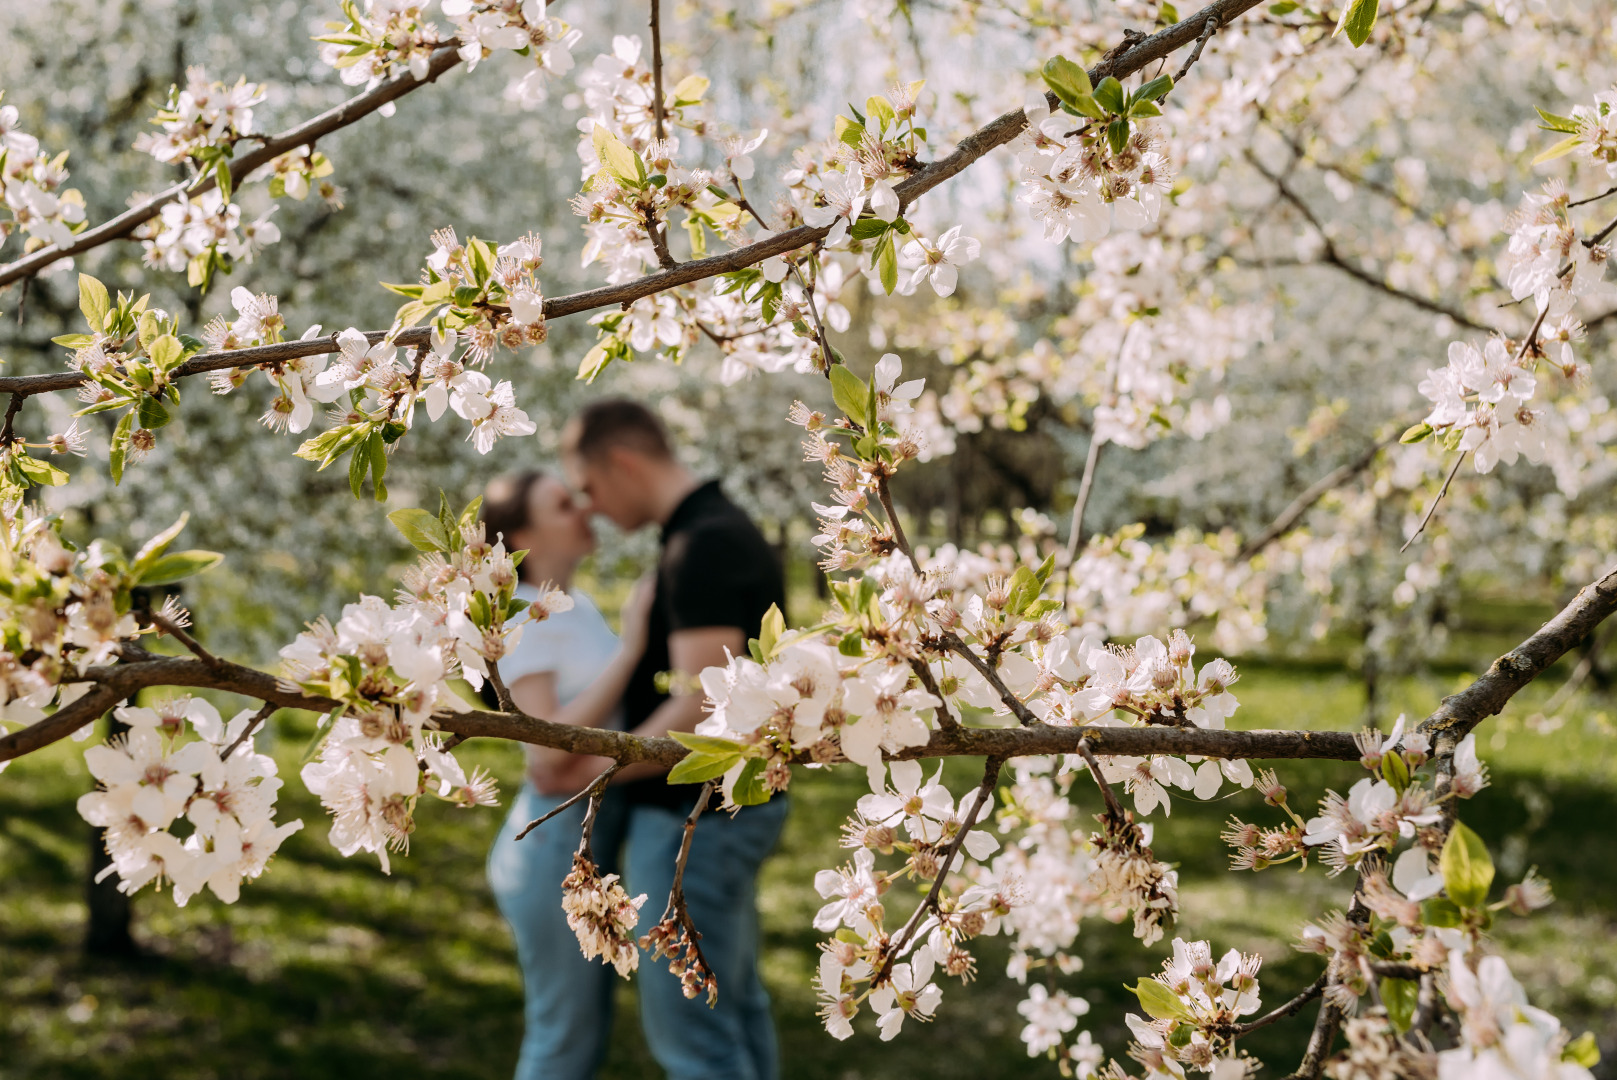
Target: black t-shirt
<point>715,569</point>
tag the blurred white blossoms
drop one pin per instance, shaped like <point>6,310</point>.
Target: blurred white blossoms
<point>149,779</point>
<point>205,115</point>
<point>31,190</point>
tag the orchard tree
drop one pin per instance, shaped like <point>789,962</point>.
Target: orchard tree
<point>1180,169</point>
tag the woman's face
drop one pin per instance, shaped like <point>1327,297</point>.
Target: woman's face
<point>558,527</point>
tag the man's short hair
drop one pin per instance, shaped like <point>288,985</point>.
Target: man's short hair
<point>612,422</point>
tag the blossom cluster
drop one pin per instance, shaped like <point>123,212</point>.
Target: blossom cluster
<point>601,915</point>
<point>31,190</point>
<point>388,666</point>
<point>1481,399</point>
<point>1193,1005</point>
<point>202,122</point>
<point>203,235</point>
<point>149,780</point>
<point>1082,178</point>
<point>381,38</point>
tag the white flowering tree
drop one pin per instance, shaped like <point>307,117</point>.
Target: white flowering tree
<point>1171,155</point>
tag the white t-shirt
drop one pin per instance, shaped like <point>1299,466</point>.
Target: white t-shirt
<point>576,645</point>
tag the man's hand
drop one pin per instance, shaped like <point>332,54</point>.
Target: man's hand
<point>689,651</point>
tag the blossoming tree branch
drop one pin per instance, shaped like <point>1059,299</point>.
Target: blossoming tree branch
<point>923,654</point>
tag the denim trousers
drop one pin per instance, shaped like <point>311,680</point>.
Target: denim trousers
<point>568,999</point>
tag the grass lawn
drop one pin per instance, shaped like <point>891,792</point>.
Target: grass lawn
<point>327,968</point>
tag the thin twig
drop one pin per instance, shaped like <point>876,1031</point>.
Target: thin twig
<point>1289,1009</point>
<point>1019,709</point>
<point>1593,198</point>
<point>178,633</point>
<point>886,498</point>
<point>923,673</point>
<point>259,717</point>
<point>907,932</point>
<point>1311,495</point>
<point>1085,483</point>
<point>1208,30</point>
<point>1113,807</point>
<point>9,431</point>
<point>678,910</point>
<point>657,69</point>
<point>1432,509</point>
<point>598,784</point>
<point>501,694</point>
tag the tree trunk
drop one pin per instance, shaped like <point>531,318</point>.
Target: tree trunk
<point>106,932</point>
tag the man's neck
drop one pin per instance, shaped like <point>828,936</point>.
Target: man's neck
<point>673,487</point>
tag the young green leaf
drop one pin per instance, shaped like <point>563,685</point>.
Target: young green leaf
<point>1110,95</point>
<point>178,565</point>
<point>1466,866</point>
<point>1564,124</point>
<point>1399,996</point>
<point>706,744</point>
<point>1158,1001</point>
<point>1068,81</point>
<point>423,530</point>
<point>698,767</point>
<point>1358,18</point>
<point>749,789</point>
<point>94,302</point>
<point>1417,433</point>
<point>849,392</point>
<point>770,632</point>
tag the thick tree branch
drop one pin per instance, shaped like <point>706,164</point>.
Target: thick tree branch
<point>271,148</point>
<point>142,669</point>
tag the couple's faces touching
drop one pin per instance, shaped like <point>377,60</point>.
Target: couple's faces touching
<point>558,522</point>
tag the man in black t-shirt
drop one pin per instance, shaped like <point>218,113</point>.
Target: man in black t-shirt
<point>716,578</point>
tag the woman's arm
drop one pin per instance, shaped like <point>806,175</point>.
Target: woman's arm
<point>556,772</point>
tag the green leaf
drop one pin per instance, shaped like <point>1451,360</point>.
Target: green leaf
<point>423,530</point>
<point>1358,18</point>
<point>698,768</point>
<point>749,789</point>
<point>868,228</point>
<point>1564,124</point>
<point>39,472</point>
<point>1400,996</point>
<point>73,341</point>
<point>1025,588</point>
<point>852,645</point>
<point>1394,771</point>
<point>615,156</point>
<point>1467,869</point>
<point>94,302</point>
<point>1158,1001</point>
<point>120,445</point>
<point>1285,7</point>
<point>1440,911</point>
<point>377,446</point>
<point>849,392</point>
<point>1418,433</point>
<point>887,263</point>
<point>152,413</point>
<point>1153,89</point>
<point>1560,149</point>
<point>1109,94</point>
<point>1117,134</point>
<point>166,351</point>
<point>178,565</point>
<point>769,633</point>
<point>850,132</point>
<point>880,110</point>
<point>1583,1050</point>
<point>154,547</point>
<point>1045,569</point>
<point>706,744</point>
<point>359,463</point>
<point>222,177</point>
<point>1068,81</point>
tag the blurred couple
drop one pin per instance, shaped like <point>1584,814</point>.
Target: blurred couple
<point>716,577</point>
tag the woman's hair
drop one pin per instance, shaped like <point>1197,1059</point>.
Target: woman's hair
<point>505,504</point>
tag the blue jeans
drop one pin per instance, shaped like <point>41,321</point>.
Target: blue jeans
<point>568,1009</point>
<point>567,1012</point>
<point>734,1040</point>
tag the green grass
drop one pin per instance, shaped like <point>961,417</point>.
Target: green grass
<point>327,968</point>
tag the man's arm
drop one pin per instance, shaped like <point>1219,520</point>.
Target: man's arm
<point>689,651</point>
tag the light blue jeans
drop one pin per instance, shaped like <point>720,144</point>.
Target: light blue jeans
<point>568,1008</point>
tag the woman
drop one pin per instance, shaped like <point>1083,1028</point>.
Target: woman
<point>570,669</point>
